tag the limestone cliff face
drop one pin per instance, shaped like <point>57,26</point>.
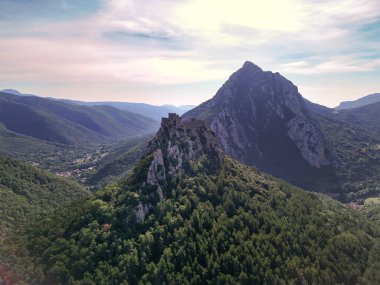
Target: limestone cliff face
<point>260,119</point>
<point>308,139</point>
<point>179,148</point>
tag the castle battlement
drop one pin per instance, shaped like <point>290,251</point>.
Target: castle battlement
<point>172,120</point>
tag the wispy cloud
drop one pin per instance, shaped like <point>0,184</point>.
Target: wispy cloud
<point>338,65</point>
<point>159,43</point>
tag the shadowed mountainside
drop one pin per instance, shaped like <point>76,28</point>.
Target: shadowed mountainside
<point>55,121</point>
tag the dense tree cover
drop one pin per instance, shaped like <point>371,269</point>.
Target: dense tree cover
<point>27,192</point>
<point>232,226</point>
<point>26,195</point>
<point>357,155</point>
<point>371,209</point>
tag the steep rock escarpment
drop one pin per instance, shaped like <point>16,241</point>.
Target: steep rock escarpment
<point>260,119</point>
<point>179,148</point>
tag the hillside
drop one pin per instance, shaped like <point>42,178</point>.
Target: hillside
<point>355,147</point>
<point>357,155</point>
<point>189,215</point>
<point>55,121</point>
<point>92,165</point>
<point>46,155</point>
<point>27,193</point>
<point>366,117</point>
<point>366,100</point>
<point>118,162</point>
<point>318,109</point>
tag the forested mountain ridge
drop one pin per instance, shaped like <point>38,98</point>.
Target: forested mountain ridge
<point>55,121</point>
<point>188,214</point>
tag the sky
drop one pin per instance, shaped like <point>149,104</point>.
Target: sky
<point>181,51</point>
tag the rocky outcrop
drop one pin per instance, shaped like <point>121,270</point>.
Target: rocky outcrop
<point>260,119</point>
<point>179,148</point>
<point>180,145</point>
<point>308,139</point>
<point>141,211</point>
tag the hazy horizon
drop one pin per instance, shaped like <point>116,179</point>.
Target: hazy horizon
<point>181,52</point>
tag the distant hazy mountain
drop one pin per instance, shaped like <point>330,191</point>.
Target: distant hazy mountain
<point>11,91</point>
<point>366,100</point>
<point>15,92</point>
<point>55,121</point>
<point>147,110</point>
<point>152,111</point>
<point>184,108</point>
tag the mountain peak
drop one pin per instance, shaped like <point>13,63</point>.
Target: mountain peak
<point>261,120</point>
<point>12,91</point>
<point>250,66</point>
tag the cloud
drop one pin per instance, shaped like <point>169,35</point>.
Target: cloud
<point>184,41</point>
<point>338,65</point>
<point>25,10</point>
